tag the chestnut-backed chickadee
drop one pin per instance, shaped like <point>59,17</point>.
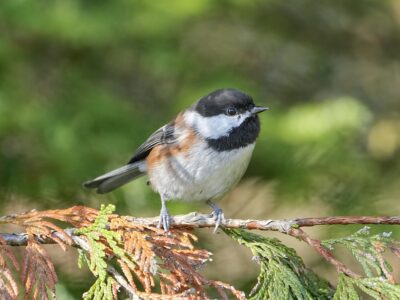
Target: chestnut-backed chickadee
<point>199,156</point>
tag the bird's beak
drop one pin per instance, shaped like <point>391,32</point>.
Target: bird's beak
<point>258,109</point>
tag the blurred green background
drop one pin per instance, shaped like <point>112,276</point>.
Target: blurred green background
<point>83,83</point>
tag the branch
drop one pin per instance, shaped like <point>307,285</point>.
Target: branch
<point>195,220</point>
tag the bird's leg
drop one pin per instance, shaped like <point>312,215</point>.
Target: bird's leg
<point>217,213</point>
<point>165,220</point>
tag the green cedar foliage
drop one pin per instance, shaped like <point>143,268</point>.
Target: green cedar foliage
<point>376,287</point>
<point>283,274</point>
<point>368,250</point>
<point>97,260</point>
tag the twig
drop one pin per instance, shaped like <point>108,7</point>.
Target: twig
<point>325,253</point>
<point>346,220</point>
<point>122,282</point>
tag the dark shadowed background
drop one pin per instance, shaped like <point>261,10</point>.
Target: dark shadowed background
<point>83,83</point>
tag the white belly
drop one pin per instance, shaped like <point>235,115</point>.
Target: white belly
<point>202,174</point>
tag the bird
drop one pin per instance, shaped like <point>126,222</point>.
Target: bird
<point>199,156</point>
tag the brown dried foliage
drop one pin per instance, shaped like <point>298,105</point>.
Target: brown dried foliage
<point>38,274</point>
<point>77,216</point>
<point>157,265</point>
<point>8,285</point>
<point>170,259</point>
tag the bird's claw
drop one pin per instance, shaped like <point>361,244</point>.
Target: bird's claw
<point>218,216</point>
<point>165,219</point>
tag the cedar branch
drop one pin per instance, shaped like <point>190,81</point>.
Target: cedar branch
<point>196,220</point>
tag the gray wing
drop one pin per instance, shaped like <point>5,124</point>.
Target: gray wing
<point>164,135</point>
<point>136,165</point>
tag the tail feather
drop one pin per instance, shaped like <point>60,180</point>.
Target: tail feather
<point>114,179</point>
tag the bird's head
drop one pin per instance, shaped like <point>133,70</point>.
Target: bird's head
<point>221,112</point>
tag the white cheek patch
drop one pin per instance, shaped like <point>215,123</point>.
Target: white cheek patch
<point>216,126</point>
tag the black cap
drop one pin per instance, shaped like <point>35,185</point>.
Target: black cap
<point>218,101</point>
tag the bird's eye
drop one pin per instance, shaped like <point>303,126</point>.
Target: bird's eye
<point>231,111</point>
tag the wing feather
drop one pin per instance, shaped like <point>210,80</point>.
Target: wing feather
<point>164,135</point>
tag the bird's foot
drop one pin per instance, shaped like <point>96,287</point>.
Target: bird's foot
<point>165,219</point>
<point>217,214</point>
